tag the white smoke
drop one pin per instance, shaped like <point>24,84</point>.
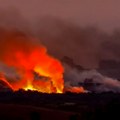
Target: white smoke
<point>74,77</point>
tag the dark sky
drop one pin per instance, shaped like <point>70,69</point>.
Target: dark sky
<point>104,13</point>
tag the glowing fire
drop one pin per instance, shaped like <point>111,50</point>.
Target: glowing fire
<point>76,90</point>
<point>27,57</point>
<point>44,65</point>
<point>30,87</point>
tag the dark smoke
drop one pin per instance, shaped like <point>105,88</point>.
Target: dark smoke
<point>12,19</point>
<point>86,46</point>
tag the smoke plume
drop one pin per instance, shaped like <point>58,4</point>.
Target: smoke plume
<point>91,80</point>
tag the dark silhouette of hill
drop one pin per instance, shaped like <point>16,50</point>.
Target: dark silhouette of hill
<point>69,106</point>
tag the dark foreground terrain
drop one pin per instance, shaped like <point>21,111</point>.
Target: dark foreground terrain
<point>31,105</point>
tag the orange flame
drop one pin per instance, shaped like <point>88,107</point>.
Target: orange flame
<point>43,64</point>
<point>76,90</point>
<point>27,57</point>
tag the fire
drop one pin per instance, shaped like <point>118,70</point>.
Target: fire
<point>76,90</point>
<point>4,80</point>
<point>29,87</point>
<point>29,58</point>
<point>40,62</point>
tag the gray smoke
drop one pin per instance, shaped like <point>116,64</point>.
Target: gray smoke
<point>91,80</point>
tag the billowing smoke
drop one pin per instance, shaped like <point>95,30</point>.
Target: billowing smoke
<point>91,80</point>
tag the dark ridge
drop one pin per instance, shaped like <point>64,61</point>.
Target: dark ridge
<point>85,106</point>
